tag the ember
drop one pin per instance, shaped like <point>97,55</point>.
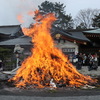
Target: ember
<point>47,62</point>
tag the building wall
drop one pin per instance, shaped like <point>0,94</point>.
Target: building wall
<point>67,47</point>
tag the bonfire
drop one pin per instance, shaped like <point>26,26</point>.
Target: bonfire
<point>47,62</point>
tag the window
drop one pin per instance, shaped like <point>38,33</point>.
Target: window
<point>68,50</point>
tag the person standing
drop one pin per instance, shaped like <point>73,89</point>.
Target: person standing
<point>95,66</point>
<point>91,62</point>
<point>80,61</point>
<point>84,59</point>
<point>1,65</point>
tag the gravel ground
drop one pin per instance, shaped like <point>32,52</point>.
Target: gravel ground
<point>92,73</point>
<point>5,89</point>
<point>61,92</point>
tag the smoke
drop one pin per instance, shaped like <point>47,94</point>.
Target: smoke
<point>10,9</point>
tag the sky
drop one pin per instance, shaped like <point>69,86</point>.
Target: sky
<point>10,9</point>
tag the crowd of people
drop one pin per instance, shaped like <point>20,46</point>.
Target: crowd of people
<point>78,60</point>
<point>89,60</point>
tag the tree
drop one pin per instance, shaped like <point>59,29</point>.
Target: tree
<point>96,21</point>
<point>63,21</point>
<point>85,17</point>
<point>81,26</point>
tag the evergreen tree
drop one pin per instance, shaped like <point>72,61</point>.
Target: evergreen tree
<point>81,26</point>
<point>63,21</point>
<point>96,21</point>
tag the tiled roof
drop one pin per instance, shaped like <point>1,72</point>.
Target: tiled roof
<point>96,31</point>
<point>79,36</point>
<point>23,40</point>
<point>9,30</point>
<point>74,35</point>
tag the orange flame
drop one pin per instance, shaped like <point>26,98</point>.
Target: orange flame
<point>31,13</point>
<point>20,18</point>
<point>47,62</point>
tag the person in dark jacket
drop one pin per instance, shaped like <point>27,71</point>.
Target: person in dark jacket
<point>1,65</point>
<point>80,61</point>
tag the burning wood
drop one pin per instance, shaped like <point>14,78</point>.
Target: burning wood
<point>87,87</point>
<point>47,62</point>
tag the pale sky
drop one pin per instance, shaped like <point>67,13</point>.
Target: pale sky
<point>9,9</point>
